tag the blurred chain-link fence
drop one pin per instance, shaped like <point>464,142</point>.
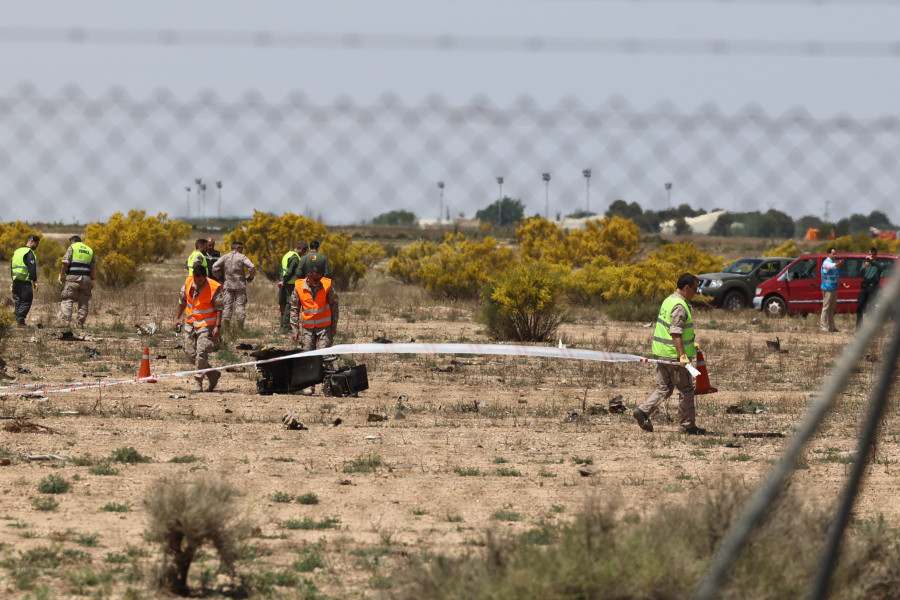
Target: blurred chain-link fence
<point>71,157</point>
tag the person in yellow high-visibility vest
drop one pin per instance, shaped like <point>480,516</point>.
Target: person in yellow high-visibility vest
<point>287,277</point>
<point>673,342</point>
<point>77,277</point>
<point>314,313</point>
<point>201,303</point>
<point>23,267</point>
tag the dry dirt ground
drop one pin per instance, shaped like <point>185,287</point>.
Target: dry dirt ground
<point>447,473</point>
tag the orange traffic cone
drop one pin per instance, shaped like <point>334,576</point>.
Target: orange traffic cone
<point>702,386</point>
<point>145,367</point>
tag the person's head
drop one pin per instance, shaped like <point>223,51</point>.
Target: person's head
<point>199,273</point>
<point>74,239</point>
<point>237,246</point>
<point>210,244</point>
<point>32,241</point>
<point>873,251</point>
<point>301,247</point>
<point>200,244</point>
<point>314,275</point>
<point>687,285</point>
<point>314,245</point>
<point>832,252</point>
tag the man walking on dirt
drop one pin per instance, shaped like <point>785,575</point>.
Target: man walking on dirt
<point>77,279</point>
<point>290,269</point>
<point>830,281</point>
<point>236,270</point>
<point>24,278</point>
<point>200,301</point>
<point>314,313</point>
<point>673,344</point>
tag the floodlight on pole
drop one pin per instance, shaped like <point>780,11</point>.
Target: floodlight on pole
<point>587,195</point>
<point>668,186</point>
<point>546,178</point>
<point>203,195</point>
<point>198,181</point>
<point>500,203</point>
<point>219,186</point>
<point>440,185</point>
<point>187,189</point>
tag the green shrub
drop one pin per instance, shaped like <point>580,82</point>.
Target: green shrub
<point>116,507</point>
<point>523,304</point>
<point>128,455</point>
<point>308,498</point>
<point>45,503</point>
<point>184,516</point>
<point>53,484</point>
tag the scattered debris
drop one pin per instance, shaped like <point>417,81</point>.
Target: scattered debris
<point>92,352</point>
<point>561,345</point>
<point>371,437</point>
<point>336,422</point>
<point>745,407</point>
<point>616,405</point>
<point>46,457</point>
<point>23,370</point>
<point>244,346</point>
<point>228,411</point>
<point>5,462</point>
<point>760,434</point>
<point>177,396</point>
<point>399,416</point>
<point>596,409</point>
<point>346,482</point>
<point>373,418</point>
<point>586,472</point>
<point>236,370</point>
<point>447,369</point>
<point>755,321</point>
<point>381,340</point>
<point>68,336</point>
<point>572,418</point>
<point>467,408</point>
<point>775,346</point>
<point>291,422</point>
<point>20,425</point>
<point>160,357</point>
<point>146,329</point>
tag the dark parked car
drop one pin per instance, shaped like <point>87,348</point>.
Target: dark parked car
<point>735,286</point>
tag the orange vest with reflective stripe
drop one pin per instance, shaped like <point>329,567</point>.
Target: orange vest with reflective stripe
<point>200,311</point>
<point>314,312</point>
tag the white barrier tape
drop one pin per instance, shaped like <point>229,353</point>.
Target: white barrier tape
<point>485,349</point>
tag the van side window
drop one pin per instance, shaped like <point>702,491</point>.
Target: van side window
<point>850,268</point>
<point>887,264</point>
<point>803,269</point>
<point>769,269</point>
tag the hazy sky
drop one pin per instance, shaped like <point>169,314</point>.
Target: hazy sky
<point>501,49</point>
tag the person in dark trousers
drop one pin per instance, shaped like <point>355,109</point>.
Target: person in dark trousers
<point>24,278</point>
<point>871,273</point>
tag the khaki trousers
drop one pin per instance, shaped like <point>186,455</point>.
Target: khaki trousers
<point>829,300</point>
<point>669,377</point>
<point>198,345</point>
<point>235,302</point>
<point>76,290</point>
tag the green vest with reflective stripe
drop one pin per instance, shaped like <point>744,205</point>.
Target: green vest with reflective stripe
<point>192,260</point>
<point>82,256</point>
<point>663,345</point>
<point>18,266</point>
<point>284,264</point>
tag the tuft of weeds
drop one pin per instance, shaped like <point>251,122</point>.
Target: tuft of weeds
<point>53,484</point>
<point>104,468</point>
<point>308,498</point>
<point>467,471</point>
<point>281,497</point>
<point>505,514</point>
<point>128,455</point>
<point>45,503</point>
<point>307,523</point>
<point>185,459</point>
<point>364,464</point>
<point>509,472</point>
<point>119,507</point>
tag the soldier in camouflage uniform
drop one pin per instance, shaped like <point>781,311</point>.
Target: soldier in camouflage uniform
<point>236,271</point>
<point>77,277</point>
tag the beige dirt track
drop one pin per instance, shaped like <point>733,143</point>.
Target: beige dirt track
<point>446,470</point>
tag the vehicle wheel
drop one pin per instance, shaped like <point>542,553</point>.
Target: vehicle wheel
<point>734,301</point>
<point>774,306</point>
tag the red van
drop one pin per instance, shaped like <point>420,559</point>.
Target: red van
<point>798,288</point>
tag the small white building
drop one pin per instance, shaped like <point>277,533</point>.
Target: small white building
<point>701,224</point>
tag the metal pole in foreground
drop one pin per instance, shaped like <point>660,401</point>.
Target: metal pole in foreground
<point>587,179</point>
<point>440,185</point>
<point>500,203</point>
<point>546,178</point>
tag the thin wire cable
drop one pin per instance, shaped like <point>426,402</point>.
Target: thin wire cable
<point>356,41</point>
<point>866,441</point>
<point>761,500</point>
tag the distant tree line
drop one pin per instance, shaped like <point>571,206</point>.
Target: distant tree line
<point>770,224</point>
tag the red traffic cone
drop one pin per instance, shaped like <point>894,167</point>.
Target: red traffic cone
<point>145,367</point>
<point>702,386</point>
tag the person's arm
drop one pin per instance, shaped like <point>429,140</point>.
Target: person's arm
<point>295,315</point>
<point>182,304</point>
<point>332,300</point>
<point>218,266</point>
<point>218,303</point>
<point>251,268</point>
<point>31,263</point>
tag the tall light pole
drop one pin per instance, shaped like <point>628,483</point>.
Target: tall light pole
<point>827,202</point>
<point>203,190</point>
<point>546,178</point>
<point>187,189</point>
<point>500,203</point>
<point>587,196</point>
<point>219,186</point>
<point>440,185</point>
<point>198,183</point>
<point>668,187</point>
